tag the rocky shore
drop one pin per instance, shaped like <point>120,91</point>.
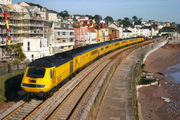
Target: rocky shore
<point>161,102</point>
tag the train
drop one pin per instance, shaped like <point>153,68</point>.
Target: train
<point>45,75</point>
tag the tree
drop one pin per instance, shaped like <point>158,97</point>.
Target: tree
<point>127,22</point>
<point>64,14</point>
<point>108,20</point>
<point>97,18</point>
<point>119,20</point>
<point>89,16</point>
<point>15,51</point>
<point>137,21</point>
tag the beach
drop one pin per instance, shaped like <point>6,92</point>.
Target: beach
<point>152,104</point>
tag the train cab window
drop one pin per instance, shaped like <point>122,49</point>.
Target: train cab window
<point>36,72</point>
<point>51,74</point>
<point>106,47</point>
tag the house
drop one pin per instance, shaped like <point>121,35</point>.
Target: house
<point>127,34</point>
<point>102,33</point>
<point>91,33</point>
<point>80,36</point>
<point>38,10</point>
<point>167,24</point>
<point>51,15</point>
<point>35,48</point>
<point>113,31</point>
<point>63,36</point>
<point>86,23</point>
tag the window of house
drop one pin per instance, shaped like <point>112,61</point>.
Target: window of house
<point>40,44</point>
<point>64,33</point>
<point>71,39</point>
<point>57,25</point>
<point>71,33</point>
<point>28,46</point>
<point>64,41</point>
<point>59,33</point>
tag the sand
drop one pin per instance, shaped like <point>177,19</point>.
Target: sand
<point>152,107</point>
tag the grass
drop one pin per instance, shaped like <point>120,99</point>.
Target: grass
<point>10,85</point>
<point>144,81</point>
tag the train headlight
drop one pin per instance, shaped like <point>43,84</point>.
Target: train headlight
<point>33,85</point>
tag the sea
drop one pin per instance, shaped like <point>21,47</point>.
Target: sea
<point>173,73</point>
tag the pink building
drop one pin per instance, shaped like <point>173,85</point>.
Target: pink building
<point>80,36</point>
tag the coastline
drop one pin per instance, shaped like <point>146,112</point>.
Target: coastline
<point>151,106</point>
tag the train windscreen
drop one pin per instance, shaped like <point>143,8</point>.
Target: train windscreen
<point>36,72</point>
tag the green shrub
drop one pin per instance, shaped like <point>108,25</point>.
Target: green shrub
<point>144,81</point>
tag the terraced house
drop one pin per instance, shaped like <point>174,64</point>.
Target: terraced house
<point>64,36</point>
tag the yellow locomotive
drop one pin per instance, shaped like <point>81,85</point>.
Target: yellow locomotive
<point>44,75</point>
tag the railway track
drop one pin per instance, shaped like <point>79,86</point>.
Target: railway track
<point>24,110</point>
<point>64,108</point>
<point>66,101</point>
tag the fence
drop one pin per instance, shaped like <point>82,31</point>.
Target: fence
<point>11,67</point>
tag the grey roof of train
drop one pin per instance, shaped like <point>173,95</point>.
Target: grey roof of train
<point>61,58</point>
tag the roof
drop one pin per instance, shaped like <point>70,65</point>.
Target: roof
<point>101,26</point>
<point>51,11</point>
<point>61,58</point>
<point>91,30</point>
<point>33,4</point>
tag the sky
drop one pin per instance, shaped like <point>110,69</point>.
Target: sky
<point>158,10</point>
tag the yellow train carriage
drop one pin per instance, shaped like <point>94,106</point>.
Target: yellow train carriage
<point>44,74</point>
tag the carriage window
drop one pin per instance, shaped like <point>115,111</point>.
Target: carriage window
<point>51,74</point>
<point>94,52</point>
<point>116,44</point>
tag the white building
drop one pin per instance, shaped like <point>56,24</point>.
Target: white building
<point>126,34</point>
<point>91,36</point>
<point>35,48</point>
<point>144,23</point>
<point>35,9</point>
<point>64,40</point>
<point>135,32</point>
<point>5,2</point>
<point>52,16</point>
